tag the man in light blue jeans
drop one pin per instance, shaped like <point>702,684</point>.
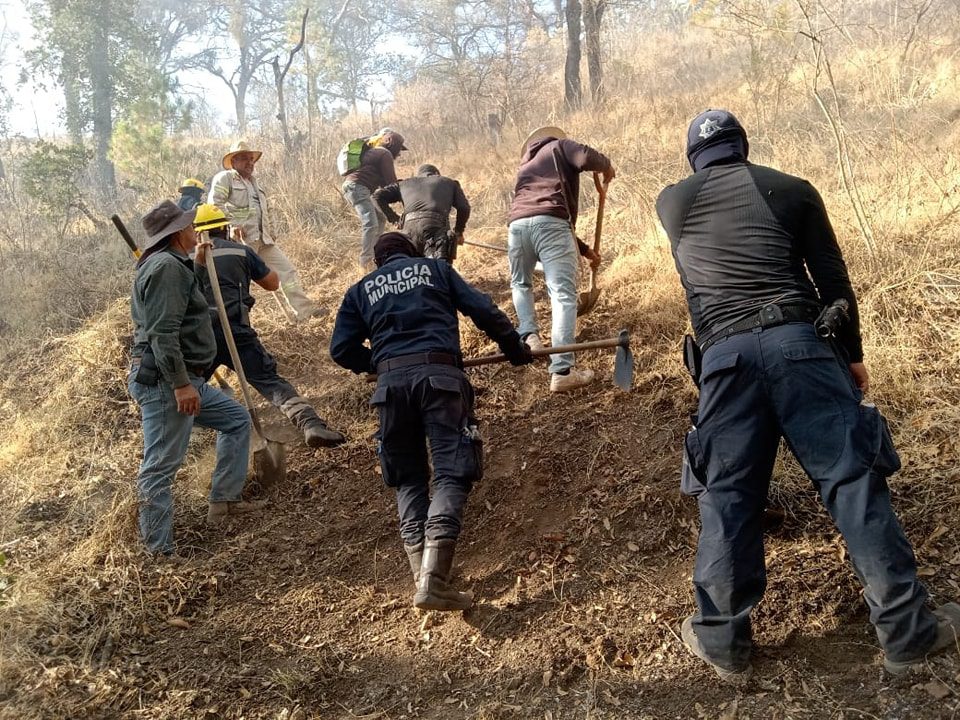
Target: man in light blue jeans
<point>549,240</point>
<point>173,344</point>
<point>543,214</point>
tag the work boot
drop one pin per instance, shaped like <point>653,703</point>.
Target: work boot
<point>433,585</point>
<point>533,341</point>
<point>415,556</point>
<point>571,381</point>
<point>948,628</point>
<point>219,512</point>
<point>731,677</point>
<point>315,431</point>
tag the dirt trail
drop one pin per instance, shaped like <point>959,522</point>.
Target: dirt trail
<point>577,545</point>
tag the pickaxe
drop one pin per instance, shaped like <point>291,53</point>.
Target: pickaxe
<point>622,366</point>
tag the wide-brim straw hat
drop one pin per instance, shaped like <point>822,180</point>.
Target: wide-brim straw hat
<point>542,132</point>
<point>240,146</point>
<point>164,219</point>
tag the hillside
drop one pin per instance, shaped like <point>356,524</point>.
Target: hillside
<point>577,544</point>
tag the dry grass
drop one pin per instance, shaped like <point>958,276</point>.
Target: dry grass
<point>75,589</point>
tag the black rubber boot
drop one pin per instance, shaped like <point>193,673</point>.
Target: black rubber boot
<point>415,556</point>
<point>315,431</point>
<point>433,586</point>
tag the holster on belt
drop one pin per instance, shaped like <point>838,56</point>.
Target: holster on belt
<point>148,373</point>
<point>692,358</point>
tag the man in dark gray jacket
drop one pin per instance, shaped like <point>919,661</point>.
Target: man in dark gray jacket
<point>427,201</point>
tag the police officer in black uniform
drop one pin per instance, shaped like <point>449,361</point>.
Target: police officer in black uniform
<point>427,201</point>
<point>758,260</point>
<point>407,308</point>
<point>237,265</point>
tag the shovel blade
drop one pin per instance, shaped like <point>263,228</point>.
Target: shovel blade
<point>587,300</point>
<point>623,364</point>
<point>270,464</point>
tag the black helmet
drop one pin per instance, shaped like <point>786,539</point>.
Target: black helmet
<point>427,170</point>
<point>708,130</point>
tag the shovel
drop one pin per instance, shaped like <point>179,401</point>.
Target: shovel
<point>588,298</point>
<point>622,365</point>
<point>269,456</point>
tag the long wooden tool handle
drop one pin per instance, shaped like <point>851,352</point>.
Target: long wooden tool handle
<point>125,234</point>
<point>601,202</point>
<point>485,245</point>
<point>228,335</point>
<point>545,352</point>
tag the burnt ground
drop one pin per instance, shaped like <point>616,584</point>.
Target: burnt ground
<point>577,545</point>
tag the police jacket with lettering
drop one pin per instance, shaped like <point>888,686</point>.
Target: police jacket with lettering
<point>410,305</point>
<point>236,266</point>
<point>745,235</point>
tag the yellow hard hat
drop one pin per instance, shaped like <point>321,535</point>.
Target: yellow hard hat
<point>209,217</point>
<point>192,182</point>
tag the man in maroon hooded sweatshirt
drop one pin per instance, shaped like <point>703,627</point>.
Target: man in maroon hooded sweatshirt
<point>542,217</point>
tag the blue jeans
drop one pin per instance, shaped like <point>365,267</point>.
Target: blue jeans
<point>549,240</point>
<point>372,220</point>
<point>166,433</point>
<point>785,381</point>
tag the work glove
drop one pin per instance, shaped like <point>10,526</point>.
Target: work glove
<point>521,355</point>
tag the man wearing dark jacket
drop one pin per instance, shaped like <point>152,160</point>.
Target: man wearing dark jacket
<point>758,260</point>
<point>408,310</point>
<point>427,201</point>
<point>376,171</point>
<point>238,265</point>
<point>173,344</point>
<point>543,216</point>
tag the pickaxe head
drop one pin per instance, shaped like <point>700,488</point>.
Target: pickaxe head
<point>623,362</point>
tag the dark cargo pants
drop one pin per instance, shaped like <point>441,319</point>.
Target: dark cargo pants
<point>418,404</point>
<point>784,381</point>
<point>259,366</point>
<point>433,240</point>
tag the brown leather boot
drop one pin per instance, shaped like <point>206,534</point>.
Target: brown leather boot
<point>219,512</point>
<point>433,586</point>
<point>415,556</point>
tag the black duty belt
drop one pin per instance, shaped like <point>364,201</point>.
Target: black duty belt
<point>424,358</point>
<point>768,316</point>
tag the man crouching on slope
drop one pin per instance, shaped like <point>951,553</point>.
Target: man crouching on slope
<point>173,344</point>
<point>407,308</point>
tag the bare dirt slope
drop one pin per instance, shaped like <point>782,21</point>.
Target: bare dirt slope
<point>577,545</point>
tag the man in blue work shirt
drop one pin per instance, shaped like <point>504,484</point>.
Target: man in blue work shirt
<point>173,344</point>
<point>758,259</point>
<point>407,308</point>
<point>238,265</point>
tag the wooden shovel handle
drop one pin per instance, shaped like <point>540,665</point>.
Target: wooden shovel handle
<point>546,352</point>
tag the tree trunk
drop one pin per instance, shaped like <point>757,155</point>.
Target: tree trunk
<point>102,100</point>
<point>281,104</point>
<point>240,104</point>
<point>313,108</point>
<point>572,90</point>
<point>592,16</point>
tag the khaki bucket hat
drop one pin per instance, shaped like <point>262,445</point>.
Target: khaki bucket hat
<point>163,219</point>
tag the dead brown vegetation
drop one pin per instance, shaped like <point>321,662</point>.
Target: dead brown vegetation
<point>578,543</point>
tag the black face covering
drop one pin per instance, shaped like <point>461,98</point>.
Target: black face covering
<point>393,243</point>
<point>732,148</point>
